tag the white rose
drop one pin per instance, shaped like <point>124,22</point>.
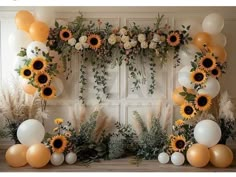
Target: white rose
<point>133,43</point>
<point>72,41</point>
<point>83,39</point>
<point>153,45</point>
<point>125,38</point>
<point>156,37</point>
<point>127,45</point>
<point>141,38</point>
<point>144,45</point>
<point>112,39</point>
<point>85,45</point>
<point>123,31</point>
<point>79,46</point>
<point>118,38</point>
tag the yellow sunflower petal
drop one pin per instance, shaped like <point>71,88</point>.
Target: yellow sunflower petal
<point>178,143</point>
<point>58,143</point>
<point>65,34</point>
<point>179,122</point>
<point>26,72</point>
<point>216,72</point>
<point>198,76</point>
<point>42,79</point>
<point>94,41</point>
<point>48,92</point>
<point>58,121</point>
<point>207,62</point>
<point>173,39</point>
<point>187,110</point>
<point>38,64</point>
<point>202,102</point>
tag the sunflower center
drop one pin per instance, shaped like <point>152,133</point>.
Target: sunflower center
<point>94,41</point>
<point>47,91</point>
<point>65,34</point>
<point>215,72</point>
<point>173,38</point>
<point>202,101</point>
<point>38,65</point>
<point>188,110</point>
<point>27,72</point>
<point>198,77</point>
<point>180,144</point>
<point>42,79</point>
<point>207,63</point>
<point>57,143</point>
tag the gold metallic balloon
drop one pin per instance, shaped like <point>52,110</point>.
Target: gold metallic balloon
<point>221,156</point>
<point>219,52</point>
<point>201,39</point>
<point>39,31</point>
<point>198,155</point>
<point>177,98</point>
<point>16,155</point>
<point>24,19</point>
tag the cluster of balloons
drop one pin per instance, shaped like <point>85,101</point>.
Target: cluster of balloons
<point>177,158</point>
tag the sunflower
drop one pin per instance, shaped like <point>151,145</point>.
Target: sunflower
<point>42,79</point>
<point>26,72</point>
<point>58,121</point>
<point>207,62</point>
<point>216,72</point>
<point>38,64</point>
<point>179,122</point>
<point>58,143</point>
<point>94,41</point>
<point>198,76</point>
<point>202,102</point>
<point>173,39</point>
<point>178,143</point>
<point>68,134</point>
<point>48,92</point>
<point>65,34</point>
<point>187,110</point>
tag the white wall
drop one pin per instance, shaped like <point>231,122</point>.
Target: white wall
<point>123,101</point>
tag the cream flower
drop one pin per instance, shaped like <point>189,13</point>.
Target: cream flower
<point>85,45</point>
<point>112,39</point>
<point>72,41</point>
<point>127,45</point>
<point>141,38</point>
<point>83,39</point>
<point>118,38</point>
<point>79,46</point>
<point>153,45</point>
<point>125,38</point>
<point>156,38</point>
<point>123,31</point>
<point>144,45</point>
<point>133,43</point>
<point>162,38</point>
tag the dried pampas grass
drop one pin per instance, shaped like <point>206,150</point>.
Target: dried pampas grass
<point>226,107</point>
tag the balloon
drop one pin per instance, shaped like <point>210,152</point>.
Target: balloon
<point>163,158</point>
<point>202,38</point>
<point>46,15</point>
<point>29,89</point>
<point>207,132</point>
<point>213,23</point>
<point>177,98</point>
<point>16,155</point>
<point>32,52</point>
<point>187,54</point>
<point>71,158</point>
<point>195,26</point>
<point>19,62</point>
<point>219,52</point>
<point>212,87</point>
<point>38,155</point>
<point>39,31</point>
<point>24,19</point>
<point>219,39</point>
<point>198,155</point>
<point>57,158</point>
<point>221,156</point>
<point>184,77</point>
<point>18,39</point>
<point>58,84</point>
<point>177,158</point>
<point>30,132</point>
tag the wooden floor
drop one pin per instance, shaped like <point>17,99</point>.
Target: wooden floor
<point>119,165</point>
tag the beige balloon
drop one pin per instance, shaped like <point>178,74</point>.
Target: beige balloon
<point>16,155</point>
<point>221,156</point>
<point>198,155</point>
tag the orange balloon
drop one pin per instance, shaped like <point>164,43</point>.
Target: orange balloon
<point>38,155</point>
<point>198,155</point>
<point>16,155</point>
<point>28,88</point>
<point>219,52</point>
<point>202,38</point>
<point>24,19</point>
<point>39,31</point>
<point>221,156</point>
<point>177,98</point>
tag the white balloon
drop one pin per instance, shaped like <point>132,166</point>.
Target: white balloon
<point>46,15</point>
<point>71,158</point>
<point>32,52</point>
<point>19,62</point>
<point>57,158</point>
<point>177,158</point>
<point>207,132</point>
<point>184,77</point>
<point>19,39</point>
<point>212,87</point>
<point>58,84</point>
<point>213,23</point>
<point>219,39</point>
<point>163,158</point>
<point>30,132</point>
<point>187,54</point>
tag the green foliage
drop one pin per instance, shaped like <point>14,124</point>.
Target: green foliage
<point>227,130</point>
